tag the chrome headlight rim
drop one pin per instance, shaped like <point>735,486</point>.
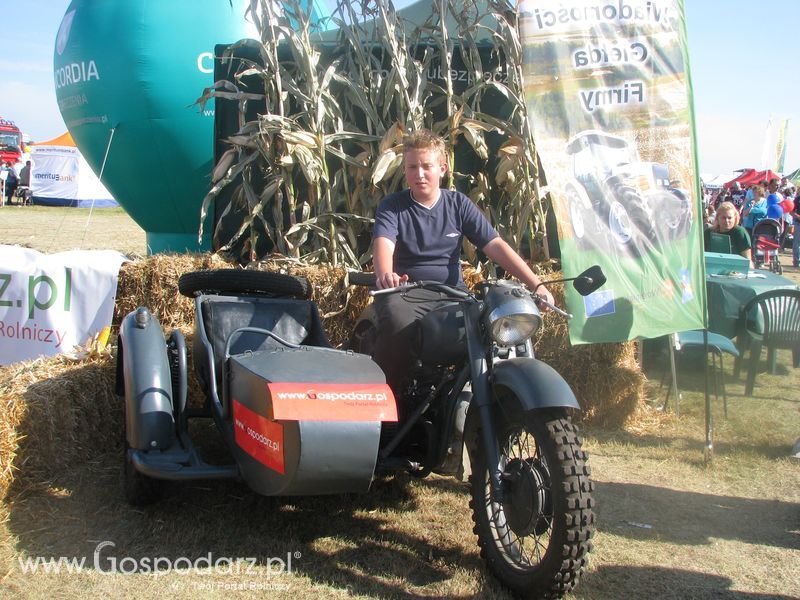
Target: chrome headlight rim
<point>517,320</point>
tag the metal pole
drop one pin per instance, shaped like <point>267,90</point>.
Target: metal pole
<point>100,178</point>
<point>709,448</point>
<point>673,339</point>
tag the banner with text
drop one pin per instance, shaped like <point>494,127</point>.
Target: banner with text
<point>49,303</point>
<point>55,172</point>
<point>609,100</point>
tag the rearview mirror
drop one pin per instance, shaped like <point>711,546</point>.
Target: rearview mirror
<point>590,280</point>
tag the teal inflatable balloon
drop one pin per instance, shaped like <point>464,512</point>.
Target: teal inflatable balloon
<point>127,73</point>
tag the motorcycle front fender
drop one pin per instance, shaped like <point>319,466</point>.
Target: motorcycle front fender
<point>535,384</point>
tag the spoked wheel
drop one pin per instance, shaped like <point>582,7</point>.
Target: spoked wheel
<point>536,540</point>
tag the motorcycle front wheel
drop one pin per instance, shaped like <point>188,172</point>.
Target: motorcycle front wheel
<point>537,538</point>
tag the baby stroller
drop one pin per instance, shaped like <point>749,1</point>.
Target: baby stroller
<point>767,243</point>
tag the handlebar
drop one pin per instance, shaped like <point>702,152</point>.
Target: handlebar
<point>429,285</point>
<point>369,280</point>
<point>541,301</point>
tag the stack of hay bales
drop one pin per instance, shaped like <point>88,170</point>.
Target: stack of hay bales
<point>56,412</point>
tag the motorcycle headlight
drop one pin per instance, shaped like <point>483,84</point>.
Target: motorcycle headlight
<point>513,321</point>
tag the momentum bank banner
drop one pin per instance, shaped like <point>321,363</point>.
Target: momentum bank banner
<point>55,173</point>
<point>608,95</point>
<point>50,303</point>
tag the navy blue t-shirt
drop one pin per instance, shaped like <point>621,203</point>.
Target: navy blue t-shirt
<point>428,240</point>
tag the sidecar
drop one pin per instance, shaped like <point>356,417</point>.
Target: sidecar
<point>296,415</point>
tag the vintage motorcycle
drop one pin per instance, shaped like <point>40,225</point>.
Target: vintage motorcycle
<point>300,417</point>
<point>475,383</point>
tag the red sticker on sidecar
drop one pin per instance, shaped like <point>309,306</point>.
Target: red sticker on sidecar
<point>332,402</point>
<point>259,437</point>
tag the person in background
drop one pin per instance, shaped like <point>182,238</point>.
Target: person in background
<point>726,221</point>
<point>773,186</point>
<point>722,196</point>
<point>796,240</point>
<point>12,181</point>
<point>736,195</point>
<point>25,174</point>
<point>25,182</point>
<point>754,209</point>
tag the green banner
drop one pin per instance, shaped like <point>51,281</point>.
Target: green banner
<point>780,147</point>
<point>609,99</point>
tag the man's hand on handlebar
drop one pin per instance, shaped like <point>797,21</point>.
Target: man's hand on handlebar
<point>546,296</point>
<point>389,280</point>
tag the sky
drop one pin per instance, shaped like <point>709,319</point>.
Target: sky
<point>740,57</point>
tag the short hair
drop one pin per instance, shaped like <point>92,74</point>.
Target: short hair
<point>424,139</point>
<point>724,206</point>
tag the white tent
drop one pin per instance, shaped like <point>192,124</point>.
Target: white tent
<point>60,176</point>
<point>717,181</point>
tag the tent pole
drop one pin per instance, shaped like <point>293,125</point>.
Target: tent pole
<point>100,178</point>
<point>709,447</point>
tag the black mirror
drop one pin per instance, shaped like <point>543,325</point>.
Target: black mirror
<point>590,280</point>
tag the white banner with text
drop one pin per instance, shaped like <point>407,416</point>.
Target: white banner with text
<point>49,303</point>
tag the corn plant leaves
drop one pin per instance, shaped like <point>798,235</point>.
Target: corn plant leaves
<point>331,124</point>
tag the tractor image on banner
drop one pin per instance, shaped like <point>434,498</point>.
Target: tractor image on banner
<point>609,99</point>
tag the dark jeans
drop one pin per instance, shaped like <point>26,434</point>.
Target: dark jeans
<point>398,331</point>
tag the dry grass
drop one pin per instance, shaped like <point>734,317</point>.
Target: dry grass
<point>670,526</point>
<point>52,229</point>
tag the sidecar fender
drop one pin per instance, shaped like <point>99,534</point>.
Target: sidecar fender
<point>143,367</point>
<point>534,383</point>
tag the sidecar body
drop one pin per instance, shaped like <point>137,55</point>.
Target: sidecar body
<point>297,416</point>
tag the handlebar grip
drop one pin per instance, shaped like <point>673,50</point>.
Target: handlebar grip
<point>361,278</point>
<point>384,291</point>
<point>554,308</point>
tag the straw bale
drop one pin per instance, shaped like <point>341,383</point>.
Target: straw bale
<point>339,304</point>
<point>56,412</point>
<point>153,282</point>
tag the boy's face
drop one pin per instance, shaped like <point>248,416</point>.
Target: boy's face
<point>424,170</point>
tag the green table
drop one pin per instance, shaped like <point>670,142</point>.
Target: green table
<point>727,295</point>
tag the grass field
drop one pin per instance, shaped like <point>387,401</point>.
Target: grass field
<point>670,524</point>
<point>55,229</point>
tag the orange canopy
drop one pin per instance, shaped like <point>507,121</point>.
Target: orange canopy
<point>65,139</point>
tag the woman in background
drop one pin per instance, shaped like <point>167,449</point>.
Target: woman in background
<point>755,209</point>
<point>726,222</point>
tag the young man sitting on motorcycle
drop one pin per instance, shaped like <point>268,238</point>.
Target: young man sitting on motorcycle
<point>417,236</point>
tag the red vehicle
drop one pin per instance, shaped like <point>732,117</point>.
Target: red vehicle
<point>10,142</point>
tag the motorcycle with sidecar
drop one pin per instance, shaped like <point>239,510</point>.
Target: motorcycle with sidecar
<point>300,417</point>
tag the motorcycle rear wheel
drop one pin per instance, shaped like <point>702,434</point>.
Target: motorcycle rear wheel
<point>536,542</point>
